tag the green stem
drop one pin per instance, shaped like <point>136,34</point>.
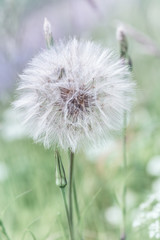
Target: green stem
<point>70,188</point>
<point>127,60</point>
<point>4,230</point>
<point>76,202</point>
<point>123,236</point>
<point>67,213</point>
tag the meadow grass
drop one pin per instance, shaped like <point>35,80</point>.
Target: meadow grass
<point>31,201</point>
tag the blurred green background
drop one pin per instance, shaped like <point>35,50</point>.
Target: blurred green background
<point>30,202</point>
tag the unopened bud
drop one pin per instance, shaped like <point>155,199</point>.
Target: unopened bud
<point>121,37</point>
<point>48,33</point>
<point>61,180</point>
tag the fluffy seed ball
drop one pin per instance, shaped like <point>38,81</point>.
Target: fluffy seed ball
<point>74,94</point>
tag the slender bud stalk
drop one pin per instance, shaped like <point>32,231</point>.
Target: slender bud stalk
<point>71,167</point>
<point>124,207</point>
<point>121,37</point>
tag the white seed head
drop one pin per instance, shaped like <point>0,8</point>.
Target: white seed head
<point>74,94</point>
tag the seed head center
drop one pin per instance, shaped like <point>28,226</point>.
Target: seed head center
<point>77,102</point>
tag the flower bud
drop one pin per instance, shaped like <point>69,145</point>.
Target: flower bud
<point>121,37</point>
<point>48,33</point>
<point>61,180</point>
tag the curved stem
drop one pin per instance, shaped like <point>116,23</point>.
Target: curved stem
<point>67,212</point>
<point>71,188</point>
<point>123,236</point>
<point>76,202</point>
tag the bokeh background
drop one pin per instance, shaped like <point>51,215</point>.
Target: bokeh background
<point>30,202</point>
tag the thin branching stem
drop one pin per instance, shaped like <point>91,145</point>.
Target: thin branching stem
<point>3,230</point>
<point>28,232</point>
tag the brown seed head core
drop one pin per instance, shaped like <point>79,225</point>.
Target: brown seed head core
<point>76,102</point>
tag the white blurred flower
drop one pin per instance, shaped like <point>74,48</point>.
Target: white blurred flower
<point>73,92</point>
<point>156,185</point>
<point>113,215</point>
<point>153,166</point>
<point>154,230</point>
<point>149,216</point>
<point>3,172</point>
<point>101,149</point>
<point>11,129</point>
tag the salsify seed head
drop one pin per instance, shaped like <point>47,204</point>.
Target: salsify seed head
<point>74,94</point>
